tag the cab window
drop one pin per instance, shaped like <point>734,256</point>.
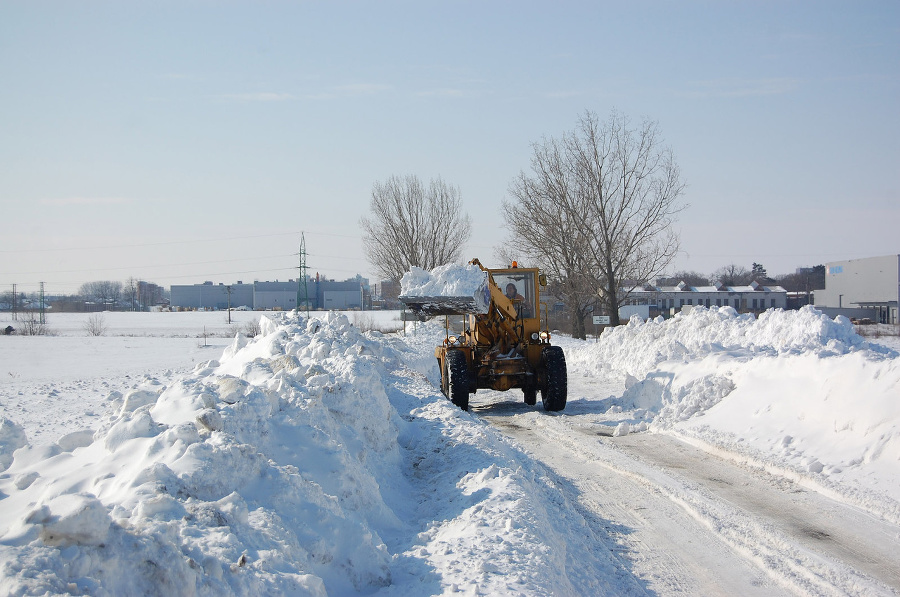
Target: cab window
<point>519,287</point>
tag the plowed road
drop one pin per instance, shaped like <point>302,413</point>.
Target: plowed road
<point>688,522</point>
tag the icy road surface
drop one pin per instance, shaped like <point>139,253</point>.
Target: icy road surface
<point>691,522</point>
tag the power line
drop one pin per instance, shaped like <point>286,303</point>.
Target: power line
<point>254,272</point>
<point>140,271</point>
<point>176,242</point>
<point>134,267</point>
<point>157,244</point>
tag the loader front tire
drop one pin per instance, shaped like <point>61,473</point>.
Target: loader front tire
<point>554,388</point>
<point>457,376</point>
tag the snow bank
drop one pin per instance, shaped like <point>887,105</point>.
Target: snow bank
<point>254,475</point>
<point>638,347</point>
<point>793,391</point>
<point>310,460</point>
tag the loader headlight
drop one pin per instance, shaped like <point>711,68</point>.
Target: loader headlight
<point>545,335</point>
<point>453,339</point>
<point>535,336</point>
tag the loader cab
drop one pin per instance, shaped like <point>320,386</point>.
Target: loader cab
<point>519,288</point>
<point>522,286</point>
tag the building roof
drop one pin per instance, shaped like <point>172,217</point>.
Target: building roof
<point>709,289</point>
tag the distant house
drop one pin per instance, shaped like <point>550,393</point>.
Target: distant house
<point>867,287</point>
<point>390,290</point>
<point>755,297</point>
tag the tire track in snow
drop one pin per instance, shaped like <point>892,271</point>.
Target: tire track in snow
<point>814,521</point>
<point>754,541</point>
<point>665,546</point>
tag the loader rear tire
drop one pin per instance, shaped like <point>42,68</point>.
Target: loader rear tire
<point>553,392</point>
<point>457,376</point>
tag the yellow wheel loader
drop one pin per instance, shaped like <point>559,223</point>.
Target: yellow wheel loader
<point>504,343</point>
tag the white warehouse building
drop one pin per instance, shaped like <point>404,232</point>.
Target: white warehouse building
<point>867,287</point>
<point>278,296</point>
<point>664,299</point>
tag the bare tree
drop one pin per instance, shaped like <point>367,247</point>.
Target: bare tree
<point>103,292</point>
<point>598,208</point>
<point>550,237</point>
<point>33,324</point>
<point>690,278</point>
<point>414,225</point>
<point>805,279</point>
<point>732,275</point>
<point>131,291</point>
<point>95,325</point>
<point>251,328</point>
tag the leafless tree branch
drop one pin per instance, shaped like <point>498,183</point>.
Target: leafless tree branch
<point>596,210</point>
<point>411,224</point>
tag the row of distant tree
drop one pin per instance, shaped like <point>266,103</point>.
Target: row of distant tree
<point>594,211</point>
<point>133,294</point>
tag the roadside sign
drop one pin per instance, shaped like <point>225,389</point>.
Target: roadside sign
<point>601,319</point>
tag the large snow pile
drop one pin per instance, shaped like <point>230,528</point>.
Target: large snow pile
<point>310,460</point>
<point>793,391</point>
<point>638,347</point>
<point>444,280</point>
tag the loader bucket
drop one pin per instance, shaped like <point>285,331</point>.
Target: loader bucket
<point>446,290</point>
<point>443,305</point>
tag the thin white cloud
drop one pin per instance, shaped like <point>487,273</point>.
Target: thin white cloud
<point>446,92</point>
<point>352,89</point>
<point>349,90</point>
<point>562,94</point>
<point>320,96</point>
<point>734,87</point>
<point>65,201</point>
<point>362,88</point>
<point>178,76</point>
<point>263,96</point>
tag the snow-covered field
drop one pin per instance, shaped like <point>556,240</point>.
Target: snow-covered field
<point>175,455</point>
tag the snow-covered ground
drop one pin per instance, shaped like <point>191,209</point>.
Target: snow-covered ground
<point>175,455</point>
<point>792,391</point>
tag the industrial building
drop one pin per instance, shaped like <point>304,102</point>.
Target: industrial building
<point>657,300</point>
<point>274,296</point>
<point>209,296</point>
<point>862,288</point>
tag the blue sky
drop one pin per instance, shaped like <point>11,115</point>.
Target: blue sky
<point>180,142</point>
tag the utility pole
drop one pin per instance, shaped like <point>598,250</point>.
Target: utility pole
<point>301,282</point>
<point>15,304</point>
<point>228,288</point>
<point>43,316</point>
